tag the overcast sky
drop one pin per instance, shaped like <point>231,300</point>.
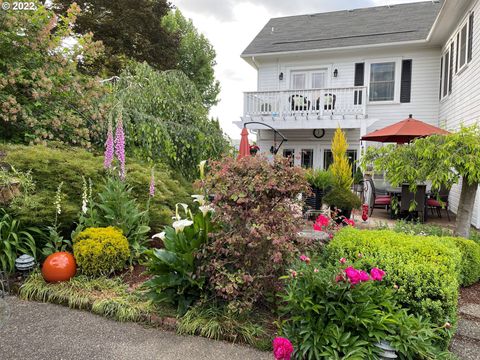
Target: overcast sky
<point>230,25</point>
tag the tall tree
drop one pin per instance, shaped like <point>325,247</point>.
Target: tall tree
<point>443,160</point>
<point>196,56</point>
<point>128,30</point>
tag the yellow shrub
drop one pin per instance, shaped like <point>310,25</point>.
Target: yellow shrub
<point>100,251</point>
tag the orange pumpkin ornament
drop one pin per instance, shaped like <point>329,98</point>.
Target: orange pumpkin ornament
<point>60,266</point>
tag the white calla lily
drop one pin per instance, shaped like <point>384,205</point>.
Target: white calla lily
<point>200,199</point>
<point>202,169</point>
<point>205,209</point>
<point>160,235</point>
<point>179,225</point>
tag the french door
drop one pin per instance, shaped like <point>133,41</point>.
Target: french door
<point>305,80</point>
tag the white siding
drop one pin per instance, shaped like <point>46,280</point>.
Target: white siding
<point>462,106</point>
<point>425,75</point>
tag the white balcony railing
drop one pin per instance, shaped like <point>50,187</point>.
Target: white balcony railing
<point>315,102</point>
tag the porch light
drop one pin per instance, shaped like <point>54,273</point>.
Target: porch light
<point>280,77</point>
<point>335,73</point>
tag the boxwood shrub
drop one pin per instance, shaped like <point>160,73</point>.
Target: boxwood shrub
<point>470,250</point>
<point>427,269</point>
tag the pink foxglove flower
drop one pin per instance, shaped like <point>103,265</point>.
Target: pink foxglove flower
<point>377,274</point>
<point>107,162</point>
<point>282,348</point>
<point>152,184</point>
<point>120,147</point>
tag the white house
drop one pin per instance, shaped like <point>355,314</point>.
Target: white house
<point>363,69</point>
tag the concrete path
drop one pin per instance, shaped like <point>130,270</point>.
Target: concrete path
<point>466,343</point>
<point>37,331</point>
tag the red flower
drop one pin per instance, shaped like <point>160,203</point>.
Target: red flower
<point>377,274</point>
<point>349,222</point>
<point>282,348</point>
<point>339,278</point>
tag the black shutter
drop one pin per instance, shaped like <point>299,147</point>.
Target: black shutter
<point>359,81</point>
<point>457,53</point>
<point>441,72</point>
<point>406,83</point>
<point>359,74</point>
<point>470,37</point>
<point>450,70</point>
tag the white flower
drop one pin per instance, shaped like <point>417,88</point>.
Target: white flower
<point>160,235</point>
<point>179,225</point>
<point>200,199</point>
<point>185,208</point>
<point>84,206</point>
<point>202,169</point>
<point>205,209</point>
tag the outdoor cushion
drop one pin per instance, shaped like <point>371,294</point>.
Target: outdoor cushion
<point>383,201</point>
<point>434,203</point>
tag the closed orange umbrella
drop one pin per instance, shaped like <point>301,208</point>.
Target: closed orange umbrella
<point>404,132</point>
<point>244,150</point>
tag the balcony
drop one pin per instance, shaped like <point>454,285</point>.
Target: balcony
<point>306,108</point>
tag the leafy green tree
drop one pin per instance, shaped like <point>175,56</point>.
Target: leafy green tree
<point>196,56</point>
<point>43,95</point>
<point>443,160</point>
<point>128,30</point>
<point>165,119</point>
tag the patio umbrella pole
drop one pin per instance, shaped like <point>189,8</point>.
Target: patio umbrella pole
<point>284,139</point>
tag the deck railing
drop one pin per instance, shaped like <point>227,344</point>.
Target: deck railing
<point>318,102</point>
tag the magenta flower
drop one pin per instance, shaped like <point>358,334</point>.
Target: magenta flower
<point>305,259</point>
<point>321,223</point>
<point>120,147</point>
<point>108,159</point>
<point>152,184</point>
<point>353,275</point>
<point>343,261</point>
<point>377,274</point>
<point>282,348</point>
<point>363,275</point>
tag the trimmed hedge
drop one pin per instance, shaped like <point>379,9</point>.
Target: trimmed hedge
<point>50,166</point>
<point>427,269</point>
<point>470,250</point>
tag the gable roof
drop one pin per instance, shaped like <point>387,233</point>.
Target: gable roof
<point>367,26</point>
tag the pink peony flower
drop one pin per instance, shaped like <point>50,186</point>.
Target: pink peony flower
<point>363,275</point>
<point>315,270</point>
<point>317,227</point>
<point>349,222</point>
<point>305,259</point>
<point>322,220</point>
<point>343,261</point>
<point>293,273</point>
<point>353,275</point>
<point>377,274</point>
<point>339,278</point>
<point>282,348</point>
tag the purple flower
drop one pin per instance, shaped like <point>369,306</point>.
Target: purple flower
<point>152,184</point>
<point>107,163</point>
<point>120,147</point>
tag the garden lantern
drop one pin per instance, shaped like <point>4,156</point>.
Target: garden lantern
<point>25,263</point>
<point>388,351</point>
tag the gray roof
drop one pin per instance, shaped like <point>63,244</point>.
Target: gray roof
<point>367,26</point>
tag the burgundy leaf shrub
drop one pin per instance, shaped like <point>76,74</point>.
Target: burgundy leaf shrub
<point>256,202</point>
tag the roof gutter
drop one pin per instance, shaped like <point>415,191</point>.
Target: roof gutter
<point>437,21</point>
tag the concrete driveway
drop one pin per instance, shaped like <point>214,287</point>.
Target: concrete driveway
<point>37,331</point>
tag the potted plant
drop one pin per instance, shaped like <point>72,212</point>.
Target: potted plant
<point>358,181</point>
<point>320,182</point>
<point>343,202</point>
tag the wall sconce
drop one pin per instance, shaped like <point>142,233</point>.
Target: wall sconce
<point>280,77</point>
<point>335,73</point>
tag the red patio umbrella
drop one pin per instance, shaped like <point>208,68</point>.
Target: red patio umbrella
<point>404,132</point>
<point>244,150</point>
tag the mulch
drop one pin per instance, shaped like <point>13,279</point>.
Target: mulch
<point>135,277</point>
<point>470,295</point>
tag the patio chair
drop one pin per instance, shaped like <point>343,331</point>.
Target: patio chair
<point>419,197</point>
<point>329,102</point>
<point>377,200</point>
<point>299,103</point>
<point>439,201</point>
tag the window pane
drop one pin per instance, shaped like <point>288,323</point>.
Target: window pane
<point>298,81</point>
<point>318,80</point>
<point>445,74</point>
<point>463,45</point>
<point>289,153</point>
<point>307,158</point>
<point>352,158</point>
<point>382,81</point>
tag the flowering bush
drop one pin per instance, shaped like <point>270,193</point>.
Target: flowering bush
<point>258,236</point>
<point>330,225</point>
<point>341,312</point>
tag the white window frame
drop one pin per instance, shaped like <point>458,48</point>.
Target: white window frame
<point>308,70</point>
<point>445,77</point>
<point>463,24</point>
<point>398,76</point>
